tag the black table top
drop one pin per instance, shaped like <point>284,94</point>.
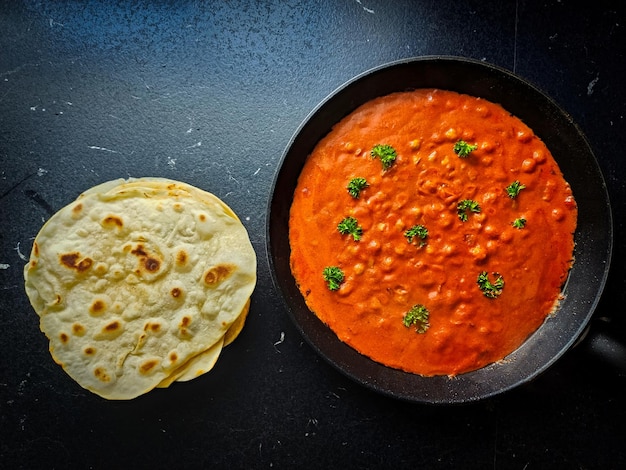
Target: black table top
<point>210,94</point>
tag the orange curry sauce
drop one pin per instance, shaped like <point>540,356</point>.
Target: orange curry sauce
<point>385,275</point>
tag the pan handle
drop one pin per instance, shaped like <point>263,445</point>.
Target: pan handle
<point>605,346</point>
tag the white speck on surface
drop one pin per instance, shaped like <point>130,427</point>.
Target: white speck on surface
<point>171,162</point>
<point>197,144</point>
<point>591,85</point>
<point>248,219</point>
<point>19,253</point>
<point>257,171</point>
<point>4,266</point>
<point>41,171</point>
<point>33,108</point>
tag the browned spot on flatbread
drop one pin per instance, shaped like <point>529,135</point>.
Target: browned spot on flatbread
<point>139,251</point>
<point>97,307</point>
<point>148,366</point>
<point>176,292</point>
<point>112,221</point>
<point>64,338</point>
<point>101,269</point>
<point>101,374</point>
<point>112,327</point>
<point>89,351</point>
<point>183,326</point>
<point>35,249</point>
<point>78,329</point>
<point>75,261</point>
<point>181,258</point>
<point>77,209</point>
<point>202,217</point>
<point>150,263</point>
<point>154,327</point>
<point>173,357</point>
<point>218,273</point>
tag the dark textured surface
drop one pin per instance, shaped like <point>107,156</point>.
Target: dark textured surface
<point>210,93</point>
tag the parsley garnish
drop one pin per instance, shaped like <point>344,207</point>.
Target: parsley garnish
<point>463,149</point>
<point>519,223</point>
<point>349,225</point>
<point>465,206</point>
<point>418,315</point>
<point>356,185</point>
<point>386,153</point>
<point>417,231</point>
<point>490,290</point>
<point>333,276</point>
<point>514,188</point>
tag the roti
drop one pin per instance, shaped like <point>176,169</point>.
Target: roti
<point>140,280</point>
<point>204,362</point>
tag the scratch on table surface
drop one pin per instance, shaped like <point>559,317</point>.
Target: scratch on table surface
<point>52,22</point>
<point>280,341</point>
<point>103,149</point>
<point>592,84</point>
<point>19,253</point>
<point>369,10</point>
<point>16,185</point>
<point>18,69</point>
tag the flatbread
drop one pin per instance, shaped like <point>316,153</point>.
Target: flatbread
<point>204,362</point>
<point>137,277</point>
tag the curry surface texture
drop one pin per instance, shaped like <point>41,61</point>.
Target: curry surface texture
<point>521,242</point>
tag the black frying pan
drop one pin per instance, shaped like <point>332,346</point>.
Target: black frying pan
<point>594,235</point>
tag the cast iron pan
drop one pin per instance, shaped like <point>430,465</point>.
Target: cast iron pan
<point>594,234</point>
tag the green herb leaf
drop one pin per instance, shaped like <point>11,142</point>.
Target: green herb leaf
<point>386,153</point>
<point>463,149</point>
<point>350,225</point>
<point>418,315</point>
<point>465,206</point>
<point>514,188</point>
<point>356,185</point>
<point>519,223</point>
<point>489,289</point>
<point>333,276</point>
<point>418,231</point>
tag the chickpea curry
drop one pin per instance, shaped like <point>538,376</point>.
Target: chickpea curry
<point>432,231</point>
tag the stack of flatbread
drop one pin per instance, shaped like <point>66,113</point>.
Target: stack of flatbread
<point>140,283</point>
